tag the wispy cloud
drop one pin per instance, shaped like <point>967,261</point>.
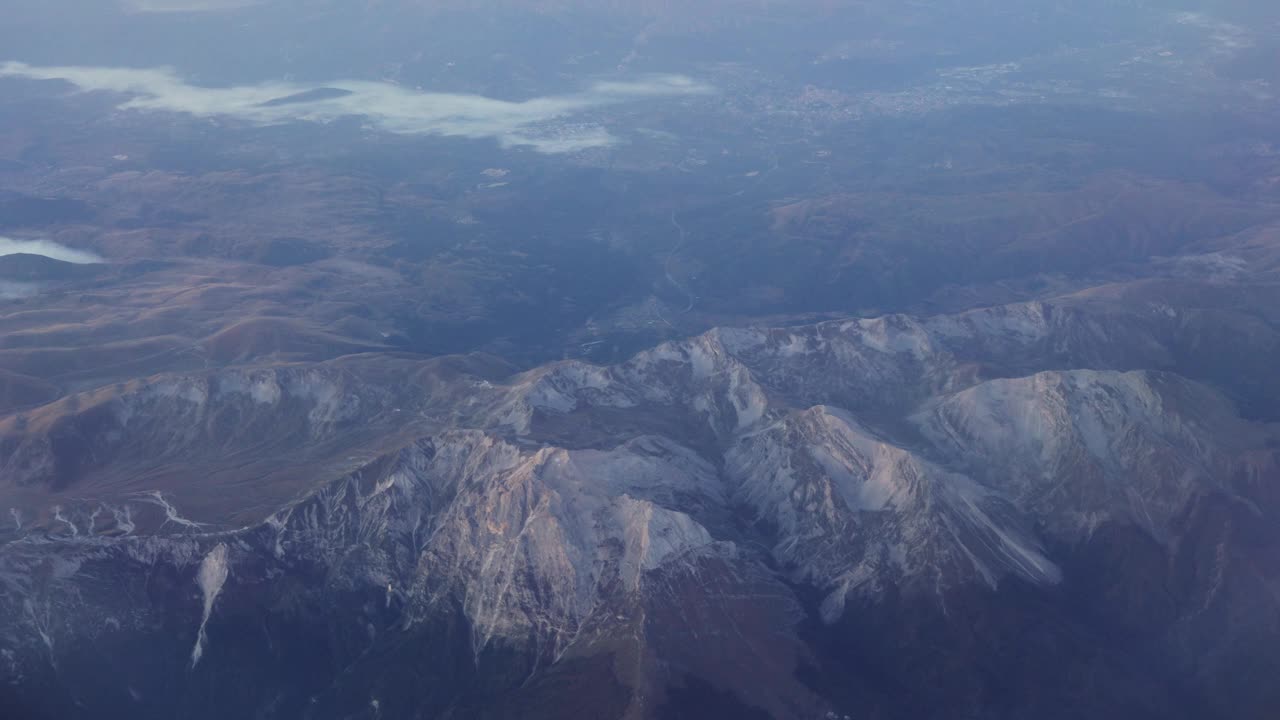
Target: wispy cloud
<point>537,122</point>
<point>15,290</point>
<point>9,246</point>
<point>178,6</point>
<point>1224,37</point>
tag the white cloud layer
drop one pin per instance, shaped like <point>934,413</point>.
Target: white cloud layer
<point>537,122</point>
<point>9,246</point>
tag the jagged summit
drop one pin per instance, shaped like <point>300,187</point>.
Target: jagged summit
<point>577,512</point>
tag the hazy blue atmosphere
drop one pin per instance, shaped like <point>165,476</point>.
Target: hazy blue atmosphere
<point>805,359</point>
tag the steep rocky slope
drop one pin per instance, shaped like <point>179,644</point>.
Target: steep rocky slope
<point>875,518</point>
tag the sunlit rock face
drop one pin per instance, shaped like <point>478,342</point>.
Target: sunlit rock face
<point>642,359</point>
<point>719,517</point>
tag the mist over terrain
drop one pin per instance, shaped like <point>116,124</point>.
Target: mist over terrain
<point>817,359</point>
<point>44,248</point>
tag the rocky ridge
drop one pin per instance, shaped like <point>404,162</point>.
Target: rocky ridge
<point>733,488</point>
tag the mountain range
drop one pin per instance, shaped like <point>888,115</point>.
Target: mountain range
<point>821,360</point>
<point>837,518</point>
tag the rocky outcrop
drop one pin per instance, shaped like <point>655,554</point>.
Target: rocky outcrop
<point>769,521</point>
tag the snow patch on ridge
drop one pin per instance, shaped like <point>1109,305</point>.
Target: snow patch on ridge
<point>211,577</point>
